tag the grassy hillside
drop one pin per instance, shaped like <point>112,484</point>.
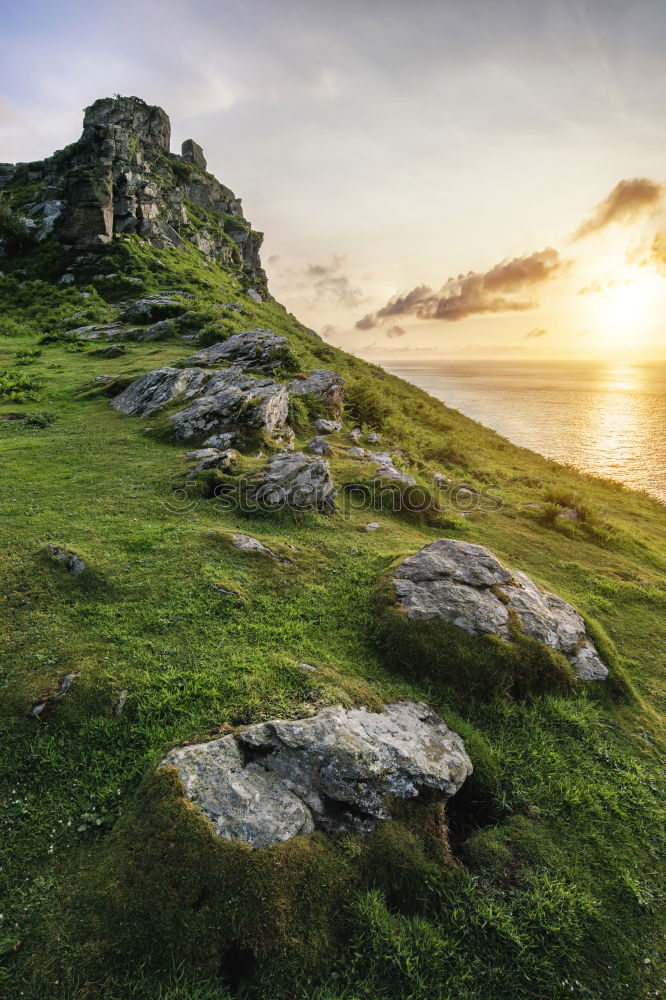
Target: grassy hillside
<point>550,882</point>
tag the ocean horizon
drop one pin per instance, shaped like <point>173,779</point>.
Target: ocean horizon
<point>604,418</point>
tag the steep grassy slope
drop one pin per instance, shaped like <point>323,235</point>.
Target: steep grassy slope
<point>553,884</point>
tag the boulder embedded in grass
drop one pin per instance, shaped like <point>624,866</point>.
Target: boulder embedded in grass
<point>335,772</point>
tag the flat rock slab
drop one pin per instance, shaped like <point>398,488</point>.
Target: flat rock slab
<point>466,585</point>
<point>333,772</point>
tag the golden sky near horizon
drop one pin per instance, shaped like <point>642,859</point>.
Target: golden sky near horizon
<point>435,179</point>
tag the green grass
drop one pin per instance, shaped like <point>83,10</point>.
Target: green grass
<point>551,881</point>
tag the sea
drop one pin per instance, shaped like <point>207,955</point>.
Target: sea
<point>605,418</point>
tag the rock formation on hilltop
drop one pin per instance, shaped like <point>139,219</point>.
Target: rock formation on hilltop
<point>121,178</point>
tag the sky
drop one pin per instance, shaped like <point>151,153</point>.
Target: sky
<point>435,178</point>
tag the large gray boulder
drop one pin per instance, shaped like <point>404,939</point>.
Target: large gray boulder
<point>294,480</point>
<point>217,401</point>
<point>334,772</point>
<point>251,349</point>
<point>466,585</point>
<point>322,384</point>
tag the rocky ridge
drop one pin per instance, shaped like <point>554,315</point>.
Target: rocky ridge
<point>121,178</point>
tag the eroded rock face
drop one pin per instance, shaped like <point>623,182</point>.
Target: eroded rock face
<point>294,480</point>
<point>121,178</point>
<point>333,772</point>
<point>251,349</point>
<point>467,586</point>
<point>217,400</point>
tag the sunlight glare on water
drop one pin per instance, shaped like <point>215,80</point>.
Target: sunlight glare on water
<point>608,419</point>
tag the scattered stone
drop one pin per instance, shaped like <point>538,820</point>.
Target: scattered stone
<point>107,331</point>
<point>246,543</point>
<point>220,441</point>
<point>322,384</point>
<point>570,514</point>
<point>72,562</point>
<point>307,667</point>
<point>373,437</point>
<point>112,351</point>
<point>211,458</point>
<point>441,480</point>
<point>383,457</point>
<point>156,307</point>
<point>251,349</point>
<point>319,446</point>
<point>327,426</point>
<point>66,683</point>
<point>355,435</point>
<point>359,453</point>
<point>389,471</point>
<point>372,526</point>
<point>254,295</point>
<point>466,585</point>
<point>334,772</point>
<point>296,481</point>
<point>120,703</point>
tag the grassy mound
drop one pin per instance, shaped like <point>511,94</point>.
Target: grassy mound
<point>545,876</point>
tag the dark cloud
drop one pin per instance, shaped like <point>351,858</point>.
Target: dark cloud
<point>504,288</point>
<point>538,331</point>
<point>627,201</point>
<point>332,285</point>
<point>396,331</point>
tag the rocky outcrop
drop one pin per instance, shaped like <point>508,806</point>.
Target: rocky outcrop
<point>322,384</point>
<point>211,458</point>
<point>327,426</point>
<point>334,772</point>
<point>466,585</point>
<point>218,401</point>
<point>250,349</point>
<point>296,481</point>
<point>121,178</point>
<point>156,307</point>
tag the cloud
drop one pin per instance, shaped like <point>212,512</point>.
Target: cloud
<point>504,288</point>
<point>627,201</point>
<point>332,285</point>
<point>328,331</point>
<point>396,331</point>
<point>538,331</point>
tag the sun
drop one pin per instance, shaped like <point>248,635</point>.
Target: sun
<point>627,307</point>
